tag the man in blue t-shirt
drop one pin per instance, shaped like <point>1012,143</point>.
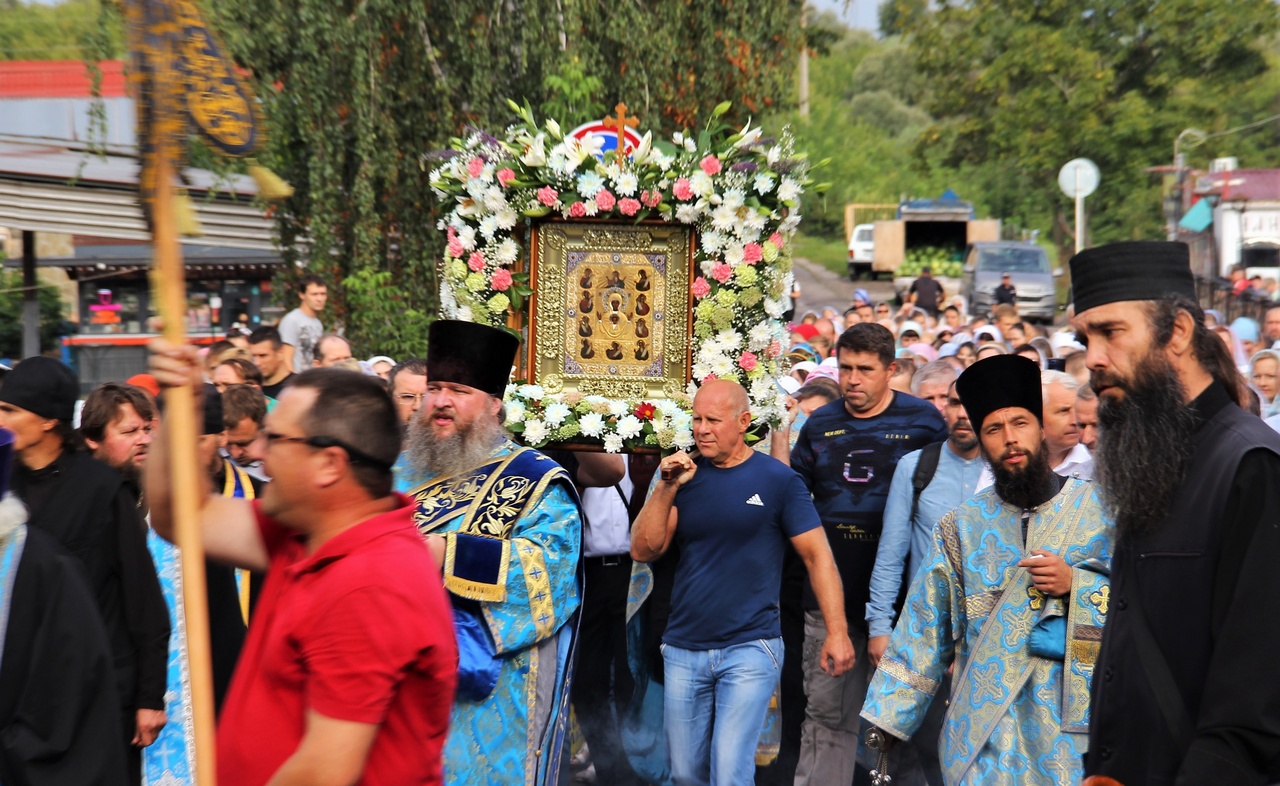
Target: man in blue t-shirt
<point>732,514</point>
<point>846,455</point>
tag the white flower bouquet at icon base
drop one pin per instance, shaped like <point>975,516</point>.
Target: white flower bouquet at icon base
<point>739,189</point>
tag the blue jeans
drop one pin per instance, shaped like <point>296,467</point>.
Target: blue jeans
<point>715,703</point>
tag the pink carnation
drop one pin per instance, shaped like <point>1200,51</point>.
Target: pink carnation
<point>501,280</point>
<point>711,165</point>
<point>752,253</point>
<point>456,249</point>
<point>450,233</point>
<point>475,166</point>
<point>547,196</point>
<point>505,176</point>
<point>682,189</point>
<point>722,272</point>
<point>776,239</point>
<point>628,206</point>
<point>651,198</point>
<point>475,262</point>
<point>577,210</point>
<point>605,201</point>
<point>774,350</point>
<point>700,287</point>
<point>747,361</point>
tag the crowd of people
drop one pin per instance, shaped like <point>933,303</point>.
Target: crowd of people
<point>973,553</point>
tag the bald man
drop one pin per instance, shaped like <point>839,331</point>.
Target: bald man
<point>731,513</point>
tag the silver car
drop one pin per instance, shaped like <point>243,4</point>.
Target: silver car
<point>1028,266</point>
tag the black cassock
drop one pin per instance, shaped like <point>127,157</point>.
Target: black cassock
<point>59,715</point>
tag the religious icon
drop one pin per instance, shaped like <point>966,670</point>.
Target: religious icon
<point>642,281</point>
<point>615,281</point>
<point>587,352</point>
<point>642,330</point>
<point>642,307</point>
<point>585,305</point>
<point>642,351</point>
<point>585,281</point>
<point>614,352</point>
<point>584,327</point>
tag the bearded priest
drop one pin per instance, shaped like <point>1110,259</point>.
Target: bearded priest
<point>1014,593</point>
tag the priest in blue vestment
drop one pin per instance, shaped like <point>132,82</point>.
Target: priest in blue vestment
<point>504,522</point>
<point>1014,594</point>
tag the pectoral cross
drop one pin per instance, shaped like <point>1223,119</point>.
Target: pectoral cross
<point>619,125</point>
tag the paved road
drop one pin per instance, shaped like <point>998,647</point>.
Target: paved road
<point>820,287</point>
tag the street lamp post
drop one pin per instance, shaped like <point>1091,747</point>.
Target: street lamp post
<point>1179,165</point>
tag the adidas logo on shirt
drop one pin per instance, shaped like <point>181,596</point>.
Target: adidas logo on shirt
<point>755,500</point>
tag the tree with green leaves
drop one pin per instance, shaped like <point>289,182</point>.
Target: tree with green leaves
<point>49,304</point>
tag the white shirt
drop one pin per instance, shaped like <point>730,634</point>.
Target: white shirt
<point>608,530</point>
<point>1078,463</point>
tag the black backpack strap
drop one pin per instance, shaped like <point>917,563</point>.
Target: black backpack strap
<point>923,476</point>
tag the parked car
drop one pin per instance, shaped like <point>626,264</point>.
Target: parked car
<point>861,250</point>
<point>1028,266</point>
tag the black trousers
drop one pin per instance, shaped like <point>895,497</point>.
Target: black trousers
<point>602,684</point>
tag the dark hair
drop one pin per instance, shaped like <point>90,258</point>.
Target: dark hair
<point>247,371</point>
<point>243,401</point>
<point>869,337</point>
<point>416,366</point>
<point>951,308</point>
<point>355,411</point>
<point>309,279</point>
<point>823,388</point>
<point>267,333</point>
<point>218,347</point>
<point>1208,349</point>
<point>103,406</point>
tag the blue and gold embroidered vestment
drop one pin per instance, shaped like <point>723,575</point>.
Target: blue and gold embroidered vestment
<point>513,536</point>
<point>1015,718</point>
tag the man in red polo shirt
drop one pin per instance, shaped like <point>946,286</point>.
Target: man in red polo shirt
<point>348,673</point>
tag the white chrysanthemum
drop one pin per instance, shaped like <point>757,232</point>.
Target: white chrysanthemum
<point>507,217</point>
<point>591,424</point>
<point>789,224</point>
<point>762,387</point>
<point>764,183</point>
<point>707,266</point>
<point>612,443</point>
<point>489,227</point>
<point>664,162</point>
<point>788,190</point>
<point>701,369</point>
<point>733,198</point>
<point>618,408</point>
<point>722,366</point>
<point>515,412</point>
<point>759,336</point>
<point>464,313</point>
<point>476,189</point>
<point>626,184</point>
<point>629,427</point>
<point>448,304</point>
<point>507,252</point>
<point>684,439</point>
<point>590,207</point>
<point>667,407</point>
<point>531,392</point>
<point>724,218</point>
<point>467,237</point>
<point>712,241</point>
<point>558,162</point>
<point>486,173</point>
<point>701,184</point>
<point>535,431</point>
<point>589,184</point>
<point>690,146</point>
<point>754,222</point>
<point>556,414</point>
<point>494,199</point>
<point>687,213</point>
<point>729,339</point>
<point>774,308</point>
<point>734,255</point>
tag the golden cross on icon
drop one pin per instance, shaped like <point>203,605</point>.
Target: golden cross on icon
<point>619,125</point>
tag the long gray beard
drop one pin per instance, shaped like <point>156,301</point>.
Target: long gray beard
<point>465,450</point>
<point>1144,446</point>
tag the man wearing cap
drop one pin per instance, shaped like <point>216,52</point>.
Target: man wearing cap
<point>348,671</point>
<point>1005,293</point>
<point>1186,693</point>
<point>88,508</point>
<point>505,523</point>
<point>1014,593</point>
<point>59,717</point>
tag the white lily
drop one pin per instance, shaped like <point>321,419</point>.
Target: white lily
<point>640,155</point>
<point>536,153</point>
<point>749,135</point>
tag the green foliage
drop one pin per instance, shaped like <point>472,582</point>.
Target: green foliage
<point>11,304</point>
<point>385,323</point>
<point>40,31</point>
<point>573,94</point>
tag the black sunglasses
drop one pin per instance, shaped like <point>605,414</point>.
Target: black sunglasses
<point>321,442</point>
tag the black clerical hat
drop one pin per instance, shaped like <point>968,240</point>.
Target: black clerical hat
<point>998,382</point>
<point>1137,270</point>
<point>471,354</point>
<point>44,387</point>
<point>7,438</point>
